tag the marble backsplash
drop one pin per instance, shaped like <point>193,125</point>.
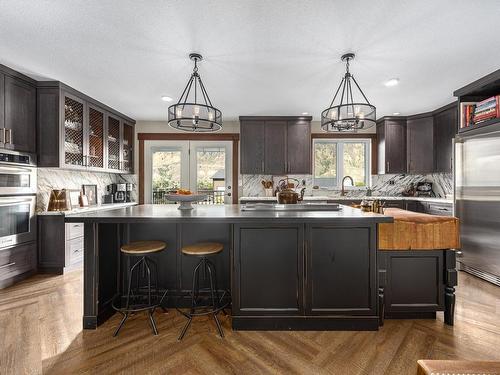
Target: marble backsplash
<point>55,178</point>
<point>382,185</point>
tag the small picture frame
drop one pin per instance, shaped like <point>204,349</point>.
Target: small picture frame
<point>74,196</point>
<point>90,191</point>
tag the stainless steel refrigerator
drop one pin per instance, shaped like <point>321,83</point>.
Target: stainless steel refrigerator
<point>477,204</point>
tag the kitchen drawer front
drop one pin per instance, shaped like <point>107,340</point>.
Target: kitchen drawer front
<point>74,249</point>
<point>442,209</point>
<point>17,260</point>
<point>74,230</point>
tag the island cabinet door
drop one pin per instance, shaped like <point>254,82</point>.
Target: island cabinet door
<point>268,270</point>
<point>340,270</point>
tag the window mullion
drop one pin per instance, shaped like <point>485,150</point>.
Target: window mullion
<point>340,163</point>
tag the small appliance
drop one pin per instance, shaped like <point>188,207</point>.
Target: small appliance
<point>118,192</point>
<point>424,189</point>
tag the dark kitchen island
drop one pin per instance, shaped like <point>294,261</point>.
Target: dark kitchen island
<point>298,270</point>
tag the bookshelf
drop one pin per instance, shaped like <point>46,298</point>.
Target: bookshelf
<point>471,101</point>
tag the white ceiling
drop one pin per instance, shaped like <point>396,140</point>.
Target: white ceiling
<point>279,57</point>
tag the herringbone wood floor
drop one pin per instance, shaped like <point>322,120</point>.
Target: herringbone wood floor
<point>40,332</point>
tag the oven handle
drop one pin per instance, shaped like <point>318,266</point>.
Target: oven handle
<point>14,202</point>
<point>8,265</point>
<point>7,168</point>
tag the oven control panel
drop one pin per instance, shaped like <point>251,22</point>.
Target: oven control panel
<point>14,158</point>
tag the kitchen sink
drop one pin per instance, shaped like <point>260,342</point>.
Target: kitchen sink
<point>311,206</point>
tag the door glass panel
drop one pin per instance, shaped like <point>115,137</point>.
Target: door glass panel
<point>210,173</point>
<point>15,219</point>
<point>113,143</point>
<point>13,180</point>
<point>96,132</point>
<point>355,162</point>
<point>128,139</point>
<point>166,174</point>
<point>73,132</point>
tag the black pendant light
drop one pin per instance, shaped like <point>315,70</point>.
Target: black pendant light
<point>349,112</point>
<point>194,111</point>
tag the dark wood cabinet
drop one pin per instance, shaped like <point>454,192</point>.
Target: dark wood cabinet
<point>445,125</point>
<point>252,140</point>
<point>2,108</point>
<point>269,265</point>
<point>420,144</point>
<point>275,151</point>
<point>275,145</point>
<point>299,147</point>
<point>17,111</point>
<point>391,143</point>
<point>78,132</point>
<point>341,270</point>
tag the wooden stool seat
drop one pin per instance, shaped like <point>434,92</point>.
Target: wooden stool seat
<point>203,248</point>
<point>427,367</point>
<point>143,247</point>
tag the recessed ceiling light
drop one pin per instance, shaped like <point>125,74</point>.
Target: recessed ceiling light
<point>305,113</point>
<point>166,98</point>
<point>392,82</point>
<point>396,113</point>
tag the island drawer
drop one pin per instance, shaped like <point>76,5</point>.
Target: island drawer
<point>74,250</point>
<point>74,230</point>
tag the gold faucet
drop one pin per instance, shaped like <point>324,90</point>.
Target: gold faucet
<point>343,192</point>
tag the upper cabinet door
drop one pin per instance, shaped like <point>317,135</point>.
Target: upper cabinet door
<point>420,145</point>
<point>395,146</point>
<point>275,147</point>
<point>299,147</point>
<point>2,107</point>
<point>74,131</point>
<point>252,140</point>
<point>128,148</point>
<point>113,140</point>
<point>95,140</point>
<point>445,125</point>
<point>20,115</point>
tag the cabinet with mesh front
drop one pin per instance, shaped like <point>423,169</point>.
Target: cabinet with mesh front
<point>78,132</point>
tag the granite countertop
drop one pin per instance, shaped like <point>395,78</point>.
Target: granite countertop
<point>230,213</point>
<point>348,198</point>
<point>101,207</point>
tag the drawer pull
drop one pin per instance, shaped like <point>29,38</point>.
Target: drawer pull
<point>7,265</point>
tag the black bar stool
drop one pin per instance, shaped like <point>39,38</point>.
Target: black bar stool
<point>214,306</point>
<point>144,296</point>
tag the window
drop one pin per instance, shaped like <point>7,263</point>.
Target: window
<point>336,158</point>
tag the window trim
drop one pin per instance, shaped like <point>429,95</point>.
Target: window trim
<point>340,165</point>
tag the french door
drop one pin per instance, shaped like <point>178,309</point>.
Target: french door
<point>203,167</point>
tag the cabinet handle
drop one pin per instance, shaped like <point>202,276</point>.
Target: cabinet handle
<point>7,265</point>
<point>262,166</point>
<point>2,133</point>
<point>8,136</point>
<point>387,167</point>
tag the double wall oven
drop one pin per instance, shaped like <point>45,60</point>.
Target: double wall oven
<point>17,198</point>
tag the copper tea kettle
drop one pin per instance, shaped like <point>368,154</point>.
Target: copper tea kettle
<point>286,193</point>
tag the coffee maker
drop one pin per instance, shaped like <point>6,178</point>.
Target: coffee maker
<point>117,193</point>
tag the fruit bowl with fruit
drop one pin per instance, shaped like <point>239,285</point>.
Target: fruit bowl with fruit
<point>185,198</point>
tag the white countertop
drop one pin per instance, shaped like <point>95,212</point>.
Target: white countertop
<point>325,198</point>
<point>79,210</point>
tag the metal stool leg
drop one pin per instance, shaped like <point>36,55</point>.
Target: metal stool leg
<point>215,303</point>
<point>194,296</point>
<point>122,322</point>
